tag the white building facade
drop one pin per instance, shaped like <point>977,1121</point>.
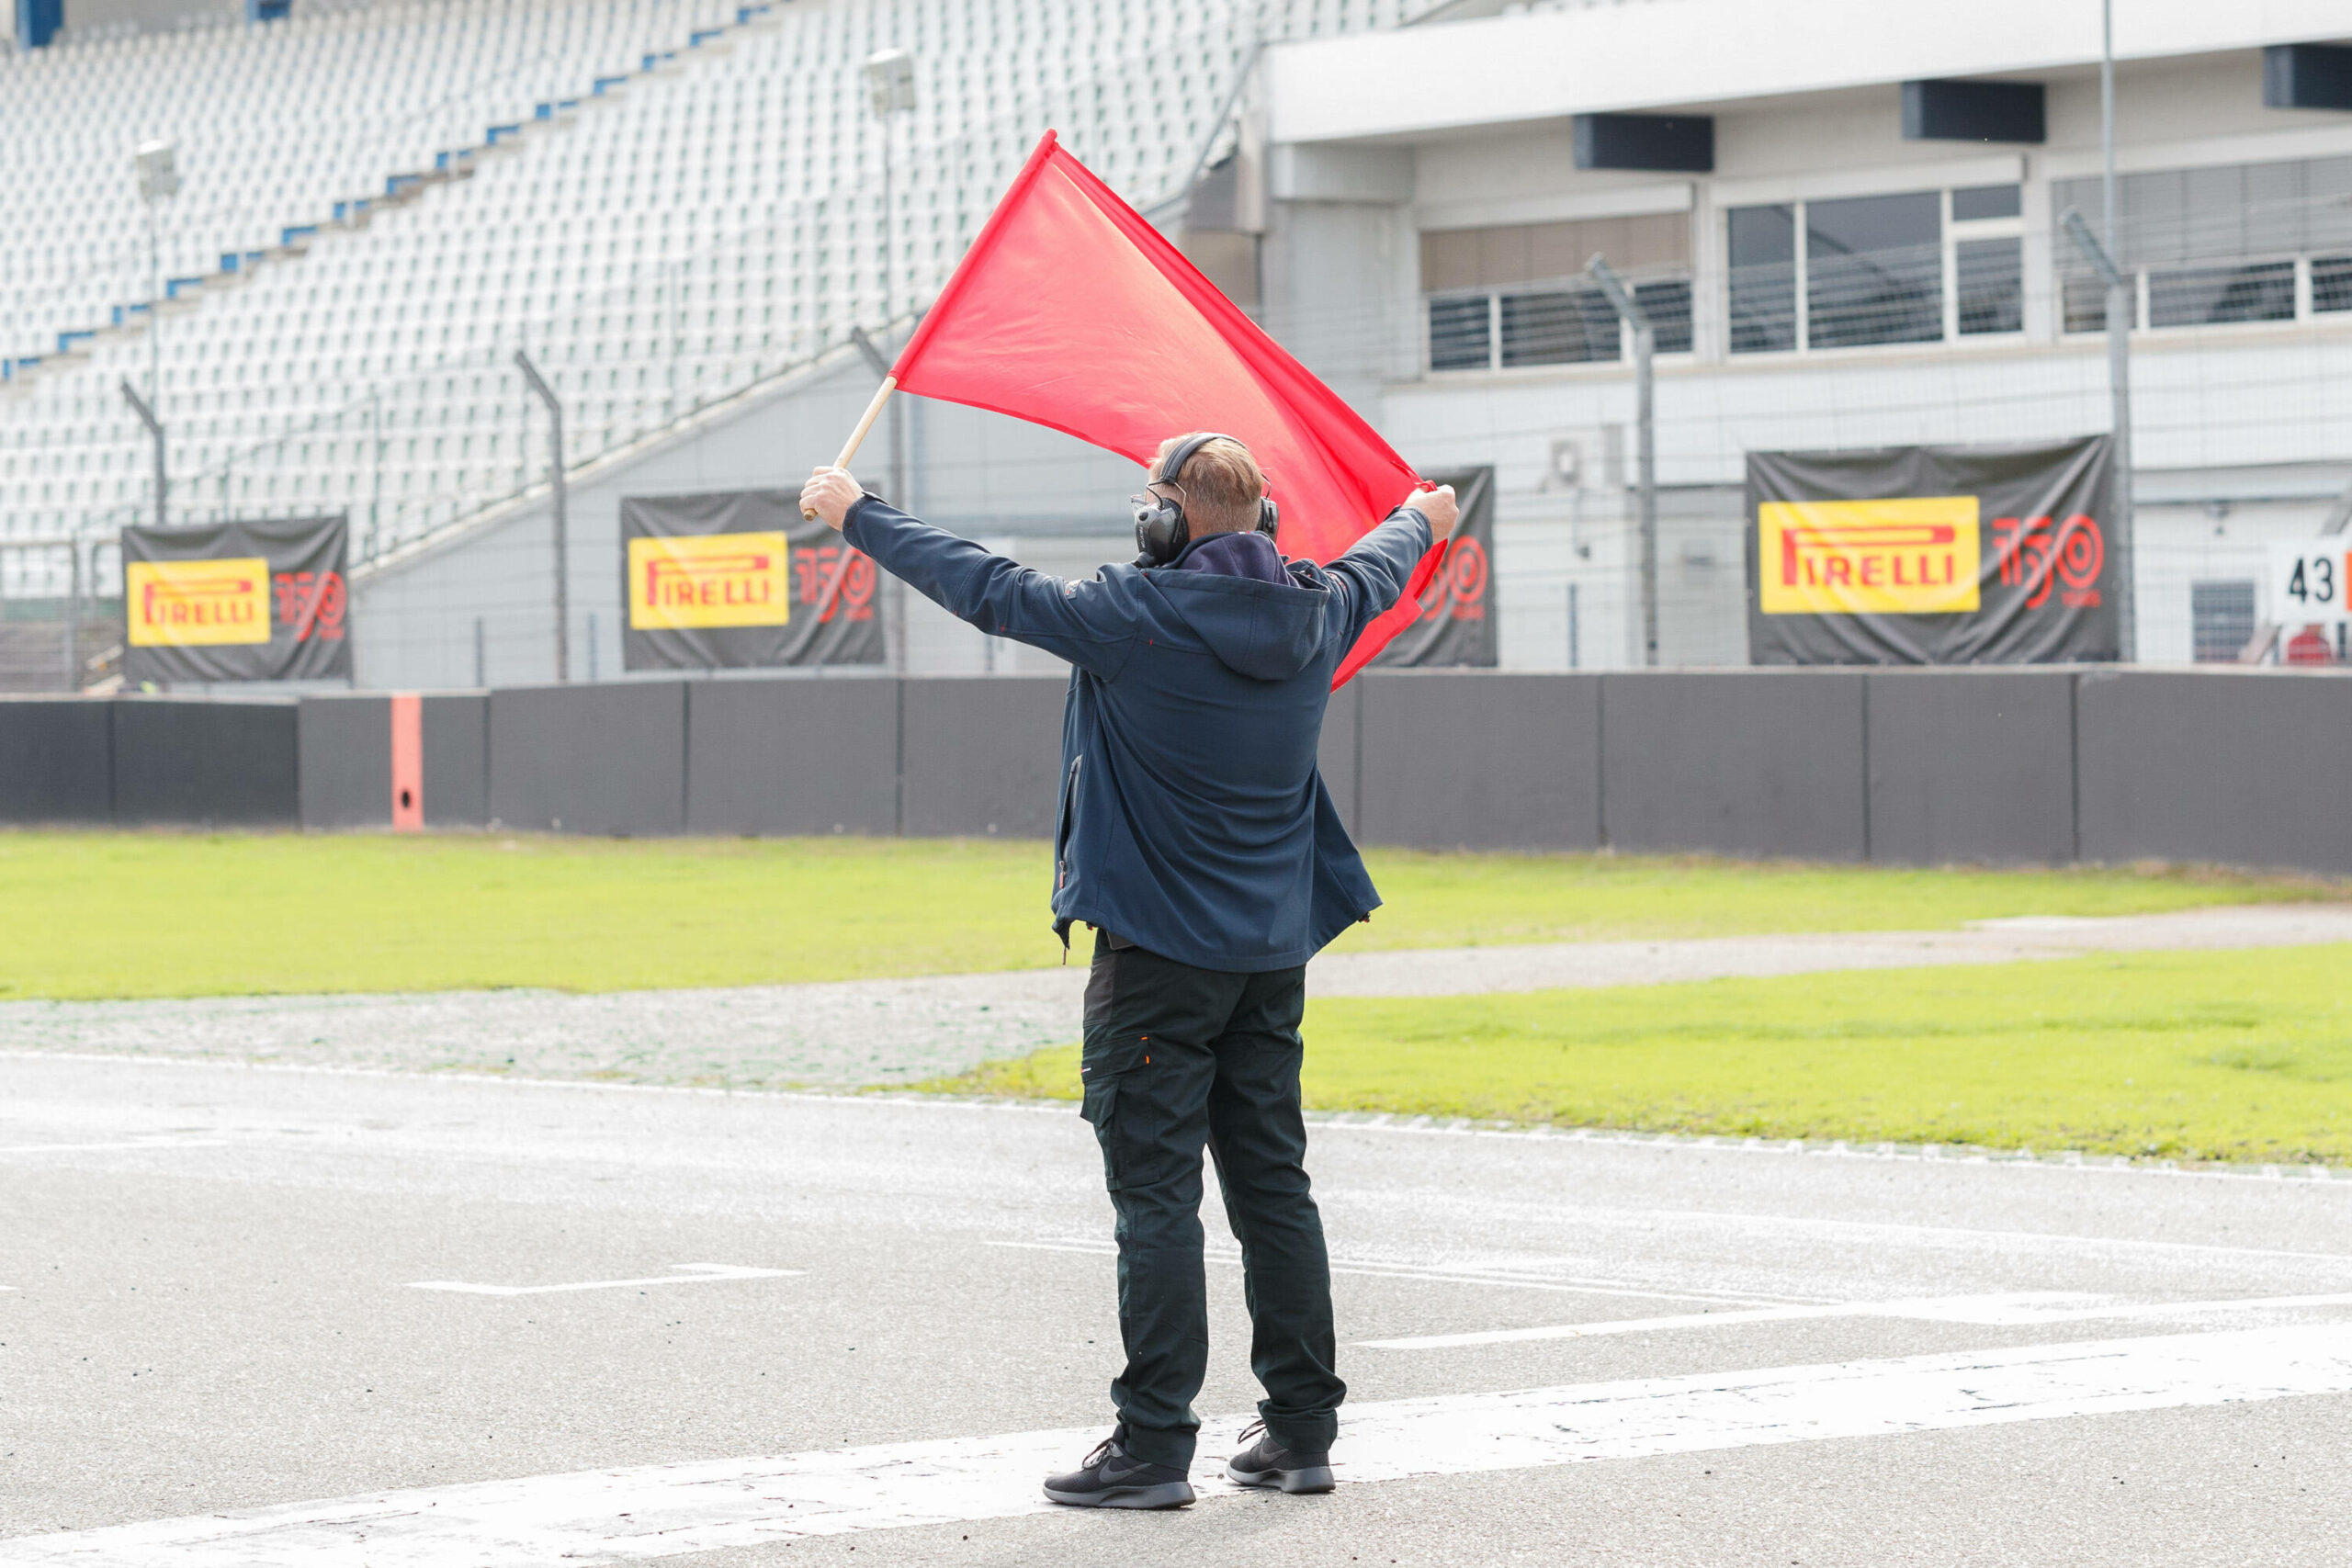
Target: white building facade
<point>1822,273</point>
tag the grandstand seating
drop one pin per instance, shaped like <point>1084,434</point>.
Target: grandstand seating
<point>662,200</point>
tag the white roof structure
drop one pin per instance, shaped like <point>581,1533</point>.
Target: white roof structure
<point>1545,64</point>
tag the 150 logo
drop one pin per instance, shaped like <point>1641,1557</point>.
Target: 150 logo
<point>1459,587</point>
<point>2035,554</point>
<point>313,603</point>
<point>847,576</point>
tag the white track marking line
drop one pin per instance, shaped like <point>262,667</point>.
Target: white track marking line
<point>1333,1121</point>
<point>133,1144</point>
<point>639,1512</point>
<point>2018,1310</point>
<point>1440,1275</point>
<point>1911,1234</point>
<point>689,1274</point>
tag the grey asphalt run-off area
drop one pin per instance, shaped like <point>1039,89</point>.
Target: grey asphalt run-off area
<point>269,1316</point>
<point>894,1033</point>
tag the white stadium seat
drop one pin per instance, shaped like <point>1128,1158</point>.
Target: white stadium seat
<point>662,200</point>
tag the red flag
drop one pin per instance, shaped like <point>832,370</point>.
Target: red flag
<point>1070,310</point>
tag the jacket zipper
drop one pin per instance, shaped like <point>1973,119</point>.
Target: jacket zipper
<point>1070,822</point>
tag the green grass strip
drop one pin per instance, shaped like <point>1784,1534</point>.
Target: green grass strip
<point>168,914</point>
<point>2238,1056</point>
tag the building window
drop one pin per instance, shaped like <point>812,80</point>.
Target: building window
<point>1568,326</point>
<point>1874,271</point>
<point>1990,285</point>
<point>2221,620</point>
<point>2218,246</point>
<point>1979,203</point>
<point>1461,335</point>
<point>1763,279</point>
<point>2331,284</point>
<point>1667,303</point>
<point>1518,296</point>
<point>2209,296</point>
<point>1917,267</point>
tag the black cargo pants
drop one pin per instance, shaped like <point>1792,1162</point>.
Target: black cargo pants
<point>1175,1058</point>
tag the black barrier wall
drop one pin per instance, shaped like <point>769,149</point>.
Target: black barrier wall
<point>791,757</point>
<point>1746,762</point>
<point>56,761</point>
<point>1483,761</point>
<point>347,762</point>
<point>981,755</point>
<point>1970,765</point>
<point>605,758</point>
<point>207,763</point>
<point>454,728</point>
<point>2240,767</point>
<point>1900,767</point>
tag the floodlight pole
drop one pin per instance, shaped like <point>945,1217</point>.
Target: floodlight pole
<point>154,307</point>
<point>155,430</point>
<point>890,90</point>
<point>73,612</point>
<point>1637,319</point>
<point>2119,379</point>
<point>157,166</point>
<point>898,496</point>
<point>537,384</point>
<point>2121,306</point>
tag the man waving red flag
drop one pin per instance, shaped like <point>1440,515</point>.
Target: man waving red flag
<point>1196,837</point>
<point>1194,832</point>
<point>1071,311</point>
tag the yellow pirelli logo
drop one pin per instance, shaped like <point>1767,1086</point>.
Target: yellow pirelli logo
<point>1915,556</point>
<point>709,580</point>
<point>196,604</point>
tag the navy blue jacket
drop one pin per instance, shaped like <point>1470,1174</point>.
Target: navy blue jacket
<point>1193,822</point>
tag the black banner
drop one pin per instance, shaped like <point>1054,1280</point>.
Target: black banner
<point>1932,555</point>
<point>1456,626</point>
<point>736,580</point>
<point>236,602</point>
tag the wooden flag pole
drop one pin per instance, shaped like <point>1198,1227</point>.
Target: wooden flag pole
<point>857,437</point>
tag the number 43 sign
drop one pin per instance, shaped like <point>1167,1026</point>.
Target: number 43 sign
<point>2311,580</point>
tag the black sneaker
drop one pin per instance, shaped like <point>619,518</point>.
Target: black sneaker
<point>1109,1479</point>
<point>1267,1463</point>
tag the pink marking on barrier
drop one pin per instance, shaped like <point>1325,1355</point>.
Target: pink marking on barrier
<point>408,762</point>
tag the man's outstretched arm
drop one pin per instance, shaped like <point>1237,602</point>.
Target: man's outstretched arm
<point>1372,575</point>
<point>999,595</point>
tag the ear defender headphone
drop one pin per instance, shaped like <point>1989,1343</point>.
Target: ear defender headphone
<point>1161,530</point>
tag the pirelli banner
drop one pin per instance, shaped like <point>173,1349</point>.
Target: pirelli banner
<point>236,602</point>
<point>1456,628</point>
<point>1932,555</point>
<point>736,580</point>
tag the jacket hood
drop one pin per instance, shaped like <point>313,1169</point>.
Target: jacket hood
<point>1268,631</point>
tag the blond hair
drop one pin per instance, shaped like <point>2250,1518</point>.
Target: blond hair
<point>1220,484</point>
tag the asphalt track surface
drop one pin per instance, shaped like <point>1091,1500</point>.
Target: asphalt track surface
<point>265,1315</point>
